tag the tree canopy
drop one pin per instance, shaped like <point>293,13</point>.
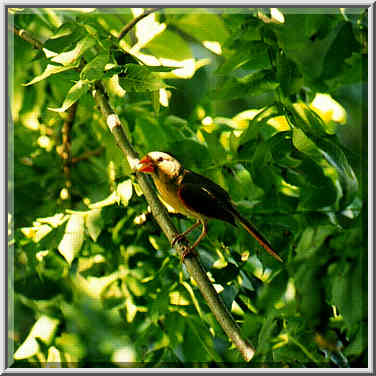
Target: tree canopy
<point>269,103</point>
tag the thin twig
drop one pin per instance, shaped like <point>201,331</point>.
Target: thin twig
<point>66,154</point>
<point>132,23</point>
<point>87,155</point>
<point>28,38</point>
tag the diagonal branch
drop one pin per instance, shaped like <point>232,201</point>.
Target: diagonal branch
<point>159,212</point>
<point>129,26</point>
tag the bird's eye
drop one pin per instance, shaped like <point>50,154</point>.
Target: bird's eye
<point>160,159</point>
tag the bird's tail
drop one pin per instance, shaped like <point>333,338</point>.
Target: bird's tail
<point>260,239</point>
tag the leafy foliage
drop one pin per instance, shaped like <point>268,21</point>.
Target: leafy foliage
<point>237,95</point>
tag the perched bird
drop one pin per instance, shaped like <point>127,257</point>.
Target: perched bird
<point>196,196</point>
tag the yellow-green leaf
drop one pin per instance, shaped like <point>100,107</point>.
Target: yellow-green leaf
<point>73,238</point>
<point>74,94</point>
<point>49,71</point>
<point>95,69</point>
<point>69,57</point>
<point>94,223</point>
<point>124,190</point>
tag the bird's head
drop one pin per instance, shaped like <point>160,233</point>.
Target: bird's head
<point>160,164</point>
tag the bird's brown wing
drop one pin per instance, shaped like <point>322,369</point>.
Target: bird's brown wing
<point>202,195</point>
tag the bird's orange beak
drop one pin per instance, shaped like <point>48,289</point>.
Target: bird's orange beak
<point>146,164</point>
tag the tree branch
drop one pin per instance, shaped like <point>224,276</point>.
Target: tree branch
<point>87,155</point>
<point>159,212</point>
<point>133,22</point>
<point>28,38</point>
<point>66,153</point>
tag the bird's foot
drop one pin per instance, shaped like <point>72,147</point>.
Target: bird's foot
<point>188,251</point>
<point>177,238</point>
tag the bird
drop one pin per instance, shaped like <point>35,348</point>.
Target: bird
<point>195,196</point>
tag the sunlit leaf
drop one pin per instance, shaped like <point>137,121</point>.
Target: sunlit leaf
<point>139,78</point>
<point>50,70</point>
<point>73,238</point>
<point>94,223</point>
<point>95,69</point>
<point>70,57</point>
<point>43,329</point>
<point>74,94</point>
<point>204,26</point>
<point>125,190</point>
<point>169,45</point>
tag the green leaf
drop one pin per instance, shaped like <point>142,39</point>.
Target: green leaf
<point>95,69</point>
<point>49,71</point>
<point>229,294</point>
<point>337,158</point>
<point>304,143</point>
<point>312,239</point>
<point>215,148</point>
<point>348,293</point>
<point>199,341</point>
<point>64,38</point>
<point>355,70</point>
<point>74,94</point>
<point>110,200</point>
<point>204,26</point>
<point>265,334</point>
<point>359,343</point>
<point>71,57</point>
<point>289,76</point>
<point>73,238</point>
<point>94,223</point>
<point>169,45</point>
<point>252,84</point>
<point>253,56</point>
<point>72,343</point>
<point>259,81</point>
<point>341,49</point>
<point>159,306</point>
<point>310,290</point>
<point>308,55</point>
<point>139,78</point>
<point>149,134</point>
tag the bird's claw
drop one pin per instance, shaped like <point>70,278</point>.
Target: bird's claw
<point>177,238</point>
<point>188,251</point>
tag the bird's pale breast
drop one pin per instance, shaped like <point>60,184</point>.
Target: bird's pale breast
<point>169,194</point>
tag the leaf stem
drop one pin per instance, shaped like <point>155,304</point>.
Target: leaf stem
<point>129,26</point>
<point>25,35</point>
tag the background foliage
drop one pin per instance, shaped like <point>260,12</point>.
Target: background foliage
<point>270,104</point>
